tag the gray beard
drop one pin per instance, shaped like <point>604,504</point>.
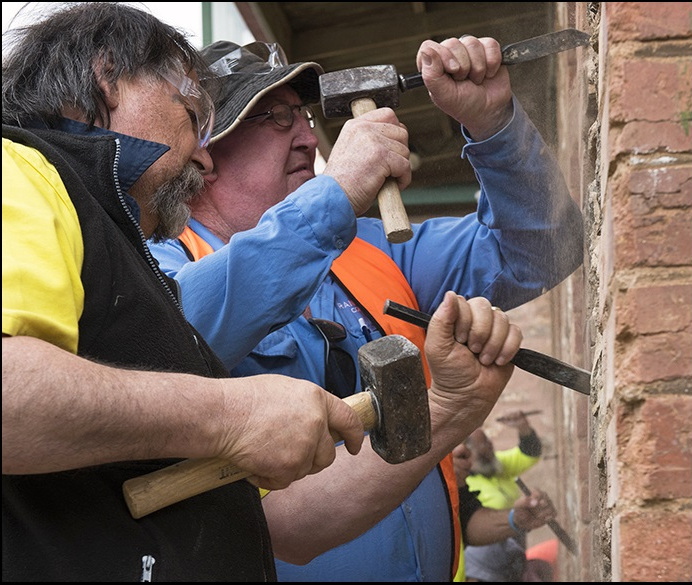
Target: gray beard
<point>487,468</point>
<point>171,203</point>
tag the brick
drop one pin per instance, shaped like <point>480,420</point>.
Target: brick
<point>655,309</point>
<point>646,231</point>
<point>657,240</point>
<point>655,446</point>
<point>654,358</point>
<point>667,92</point>
<point>651,137</point>
<point>648,20</point>
<point>666,187</point>
<point>653,207</point>
<point>655,545</point>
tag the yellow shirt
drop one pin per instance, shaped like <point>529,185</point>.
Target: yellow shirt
<point>499,492</point>
<point>42,250</point>
<point>460,576</point>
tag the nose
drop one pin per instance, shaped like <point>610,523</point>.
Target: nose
<point>305,136</point>
<point>202,159</point>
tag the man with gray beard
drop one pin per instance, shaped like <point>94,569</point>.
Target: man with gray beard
<point>105,129</point>
<point>492,476</point>
<point>484,460</point>
<point>493,472</point>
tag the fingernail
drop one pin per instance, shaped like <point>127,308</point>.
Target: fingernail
<point>426,59</point>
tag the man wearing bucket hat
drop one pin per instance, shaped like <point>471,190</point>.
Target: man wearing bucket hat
<point>314,225</point>
<point>286,279</point>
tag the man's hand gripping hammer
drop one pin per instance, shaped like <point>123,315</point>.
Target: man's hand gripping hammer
<point>393,407</point>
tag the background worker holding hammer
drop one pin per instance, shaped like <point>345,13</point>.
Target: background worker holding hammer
<point>482,525</point>
<point>492,475</point>
<point>254,233</point>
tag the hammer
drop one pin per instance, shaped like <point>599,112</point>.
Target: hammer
<point>362,89</point>
<point>358,91</point>
<point>393,407</point>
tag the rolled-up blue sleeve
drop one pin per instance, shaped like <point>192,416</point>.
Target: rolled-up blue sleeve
<point>525,237</point>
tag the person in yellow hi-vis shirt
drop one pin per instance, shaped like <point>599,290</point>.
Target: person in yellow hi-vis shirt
<point>484,526</point>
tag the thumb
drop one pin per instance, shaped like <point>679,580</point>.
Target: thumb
<point>431,68</point>
<point>345,424</point>
<point>443,319</point>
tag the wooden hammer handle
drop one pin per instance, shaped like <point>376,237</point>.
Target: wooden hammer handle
<point>394,219</point>
<point>151,492</point>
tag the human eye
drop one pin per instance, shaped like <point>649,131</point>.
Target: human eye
<point>283,114</point>
<point>192,114</point>
<point>189,109</point>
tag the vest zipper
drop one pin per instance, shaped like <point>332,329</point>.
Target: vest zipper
<point>147,254</point>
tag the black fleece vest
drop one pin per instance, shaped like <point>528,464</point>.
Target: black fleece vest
<point>75,526</point>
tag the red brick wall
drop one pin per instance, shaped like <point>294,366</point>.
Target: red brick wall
<point>626,142</point>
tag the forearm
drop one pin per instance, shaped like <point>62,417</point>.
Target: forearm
<point>525,238</point>
<point>488,526</point>
<point>364,489</point>
<point>60,411</point>
<point>524,194</point>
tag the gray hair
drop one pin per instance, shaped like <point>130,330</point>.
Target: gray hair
<point>53,64</point>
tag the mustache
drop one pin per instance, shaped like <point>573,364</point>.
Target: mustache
<point>171,202</point>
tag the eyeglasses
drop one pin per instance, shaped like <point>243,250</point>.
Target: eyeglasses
<point>339,365</point>
<point>198,103</point>
<point>282,115</point>
<point>256,58</point>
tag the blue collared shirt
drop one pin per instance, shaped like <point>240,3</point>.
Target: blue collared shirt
<point>524,239</point>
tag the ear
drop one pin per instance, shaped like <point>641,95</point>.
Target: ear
<point>103,70</point>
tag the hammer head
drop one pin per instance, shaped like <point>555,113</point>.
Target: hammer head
<point>339,88</point>
<point>391,368</point>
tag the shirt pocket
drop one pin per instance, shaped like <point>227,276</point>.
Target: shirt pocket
<point>277,353</point>
<point>278,344</point>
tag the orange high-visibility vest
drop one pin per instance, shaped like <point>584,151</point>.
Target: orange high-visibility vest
<point>371,277</point>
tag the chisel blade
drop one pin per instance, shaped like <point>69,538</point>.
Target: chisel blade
<point>558,530</point>
<point>544,45</point>
<point>538,364</point>
<point>522,51</point>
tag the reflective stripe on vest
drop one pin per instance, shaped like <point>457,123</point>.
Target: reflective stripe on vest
<point>372,277</point>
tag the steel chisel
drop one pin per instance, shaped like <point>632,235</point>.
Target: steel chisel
<point>531,361</point>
